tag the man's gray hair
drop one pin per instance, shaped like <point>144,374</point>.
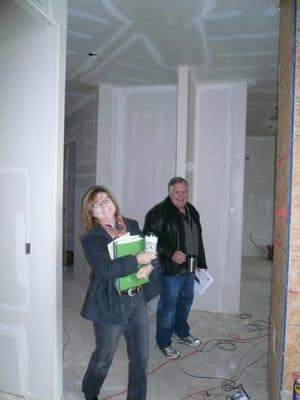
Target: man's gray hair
<point>176,179</point>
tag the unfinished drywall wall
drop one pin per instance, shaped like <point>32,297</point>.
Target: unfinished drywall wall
<point>32,80</point>
<point>191,131</point>
<point>218,188</point>
<point>137,142</point>
<point>108,110</point>
<point>81,127</point>
<point>258,196</point>
<point>148,148</point>
<point>137,151</point>
<point>182,119</point>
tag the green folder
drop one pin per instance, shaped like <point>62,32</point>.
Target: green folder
<point>125,248</point>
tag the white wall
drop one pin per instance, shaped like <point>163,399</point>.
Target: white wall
<point>128,146</point>
<point>218,188</point>
<point>182,120</point>
<point>81,127</point>
<point>137,155</point>
<point>137,142</point>
<point>108,109</point>
<point>191,132</point>
<point>32,84</point>
<point>258,195</point>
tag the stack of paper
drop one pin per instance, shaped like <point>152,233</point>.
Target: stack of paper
<point>202,280</point>
<point>124,246</point>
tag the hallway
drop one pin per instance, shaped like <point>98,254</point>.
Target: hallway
<point>234,347</point>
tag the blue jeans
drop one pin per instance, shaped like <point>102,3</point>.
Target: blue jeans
<point>134,326</point>
<point>176,298</point>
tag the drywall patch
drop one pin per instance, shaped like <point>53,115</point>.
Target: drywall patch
<point>14,358</point>
<point>14,214</point>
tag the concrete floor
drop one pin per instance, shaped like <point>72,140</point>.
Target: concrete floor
<point>198,374</point>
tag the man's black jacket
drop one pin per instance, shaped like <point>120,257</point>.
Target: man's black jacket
<point>166,222</point>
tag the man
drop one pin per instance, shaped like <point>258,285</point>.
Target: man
<point>177,225</point>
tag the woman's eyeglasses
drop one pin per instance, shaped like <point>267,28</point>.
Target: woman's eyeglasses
<point>102,203</point>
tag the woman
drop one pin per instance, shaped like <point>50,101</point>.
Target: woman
<point>113,313</point>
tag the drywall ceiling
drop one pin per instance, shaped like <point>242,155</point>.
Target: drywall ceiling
<point>142,42</point>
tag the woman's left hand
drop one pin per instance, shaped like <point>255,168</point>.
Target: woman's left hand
<point>144,271</point>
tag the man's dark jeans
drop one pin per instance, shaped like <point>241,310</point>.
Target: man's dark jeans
<point>135,329</point>
<point>176,298</point>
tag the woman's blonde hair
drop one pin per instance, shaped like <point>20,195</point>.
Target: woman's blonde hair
<point>87,219</point>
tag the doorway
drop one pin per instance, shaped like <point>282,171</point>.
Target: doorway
<point>69,204</point>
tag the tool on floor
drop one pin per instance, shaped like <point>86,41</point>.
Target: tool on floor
<point>238,393</point>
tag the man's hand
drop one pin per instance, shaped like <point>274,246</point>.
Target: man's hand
<point>179,257</point>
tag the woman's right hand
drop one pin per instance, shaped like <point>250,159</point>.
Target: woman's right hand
<point>144,271</point>
<point>145,258</point>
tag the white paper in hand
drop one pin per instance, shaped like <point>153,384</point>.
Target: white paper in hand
<point>202,280</point>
